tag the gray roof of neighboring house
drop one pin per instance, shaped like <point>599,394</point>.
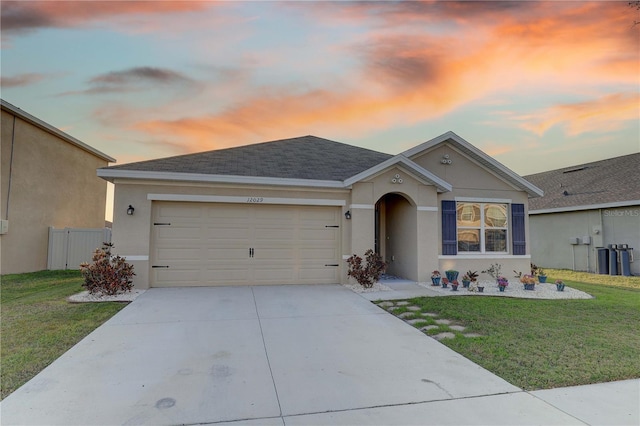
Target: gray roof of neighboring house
<point>12,109</point>
<point>606,182</point>
<point>306,157</point>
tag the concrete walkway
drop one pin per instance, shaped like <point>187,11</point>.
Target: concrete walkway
<point>285,355</point>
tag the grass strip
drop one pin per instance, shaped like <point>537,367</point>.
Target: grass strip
<point>38,324</point>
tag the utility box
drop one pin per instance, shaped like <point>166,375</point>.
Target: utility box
<point>4,226</point>
<point>586,240</point>
<point>574,241</point>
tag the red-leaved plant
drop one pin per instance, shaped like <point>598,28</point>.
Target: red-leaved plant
<point>107,275</point>
<point>369,273</point>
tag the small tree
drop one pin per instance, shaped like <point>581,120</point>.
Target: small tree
<point>107,274</point>
<point>367,274</point>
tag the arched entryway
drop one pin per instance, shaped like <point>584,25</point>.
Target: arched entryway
<point>396,234</point>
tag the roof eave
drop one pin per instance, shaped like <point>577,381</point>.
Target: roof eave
<point>57,132</point>
<point>113,174</point>
<point>588,207</point>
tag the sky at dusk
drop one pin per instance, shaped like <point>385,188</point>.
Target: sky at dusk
<point>537,85</point>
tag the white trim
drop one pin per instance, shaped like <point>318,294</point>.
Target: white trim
<point>362,206</point>
<point>588,207</point>
<point>110,174</point>
<point>414,168</point>
<point>245,200</point>
<point>483,200</point>
<point>483,256</point>
<point>346,256</point>
<point>135,257</point>
<point>427,209</point>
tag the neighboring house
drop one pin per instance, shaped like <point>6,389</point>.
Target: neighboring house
<point>586,207</point>
<point>48,178</point>
<point>292,211</point>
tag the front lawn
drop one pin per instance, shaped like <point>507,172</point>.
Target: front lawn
<point>39,325</point>
<point>541,344</point>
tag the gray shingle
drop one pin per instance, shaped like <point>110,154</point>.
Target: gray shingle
<point>306,157</point>
<point>606,181</point>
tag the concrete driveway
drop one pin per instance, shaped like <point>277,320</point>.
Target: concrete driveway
<point>271,356</point>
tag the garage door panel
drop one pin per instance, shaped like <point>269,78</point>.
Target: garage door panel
<point>209,244</point>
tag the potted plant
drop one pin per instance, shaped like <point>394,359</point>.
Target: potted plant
<point>494,271</point>
<point>454,285</point>
<point>435,278</point>
<point>560,285</point>
<point>469,277</point>
<point>451,274</point>
<point>502,283</point>
<point>529,281</point>
<point>542,275</point>
<point>445,283</point>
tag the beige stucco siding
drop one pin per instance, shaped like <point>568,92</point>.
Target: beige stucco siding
<point>53,183</point>
<point>553,234</point>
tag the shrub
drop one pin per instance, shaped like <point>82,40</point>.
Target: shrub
<point>107,274</point>
<point>371,272</point>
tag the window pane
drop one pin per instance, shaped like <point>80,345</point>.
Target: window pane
<point>468,240</point>
<point>468,214</point>
<point>495,215</point>
<point>495,240</point>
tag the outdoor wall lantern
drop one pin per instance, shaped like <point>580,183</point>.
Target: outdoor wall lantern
<point>347,215</point>
<point>130,210</point>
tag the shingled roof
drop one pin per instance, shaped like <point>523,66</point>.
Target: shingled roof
<point>306,157</point>
<point>615,181</point>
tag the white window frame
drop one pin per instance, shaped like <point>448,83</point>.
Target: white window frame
<point>483,227</point>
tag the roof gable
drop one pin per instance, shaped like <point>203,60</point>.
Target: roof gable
<point>479,157</point>
<point>610,182</point>
<point>12,109</point>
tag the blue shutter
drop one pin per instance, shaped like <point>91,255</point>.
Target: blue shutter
<point>517,229</point>
<point>449,231</point>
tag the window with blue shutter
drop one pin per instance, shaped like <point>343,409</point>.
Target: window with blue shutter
<point>517,229</point>
<point>449,232</point>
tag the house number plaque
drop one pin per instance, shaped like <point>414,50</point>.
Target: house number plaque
<point>255,200</point>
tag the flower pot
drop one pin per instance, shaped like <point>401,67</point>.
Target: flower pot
<point>465,283</point>
<point>529,286</point>
<point>502,288</point>
<point>435,280</point>
<point>560,287</point>
<point>480,289</point>
<point>454,287</point>
<point>452,275</point>
<point>444,285</point>
<point>542,278</point>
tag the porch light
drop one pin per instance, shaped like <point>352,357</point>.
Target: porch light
<point>347,215</point>
<point>130,210</point>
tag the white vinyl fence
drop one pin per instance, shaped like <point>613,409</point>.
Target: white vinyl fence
<point>69,247</point>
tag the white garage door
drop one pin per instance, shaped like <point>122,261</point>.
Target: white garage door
<point>208,244</point>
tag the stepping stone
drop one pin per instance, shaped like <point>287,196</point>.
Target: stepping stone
<point>402,303</point>
<point>406,315</point>
<point>445,335</point>
<point>472,335</point>
<point>429,327</point>
<point>457,327</point>
<point>429,314</point>
<point>413,308</point>
<point>443,321</point>
<point>415,321</point>
<point>385,304</point>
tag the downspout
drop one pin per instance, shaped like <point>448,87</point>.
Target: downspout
<point>13,138</point>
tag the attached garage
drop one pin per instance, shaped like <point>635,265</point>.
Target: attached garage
<point>208,244</point>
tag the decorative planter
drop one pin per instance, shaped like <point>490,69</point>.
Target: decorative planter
<point>542,278</point>
<point>529,286</point>
<point>560,287</point>
<point>435,280</point>
<point>454,287</point>
<point>502,288</point>
<point>452,275</point>
<point>480,289</point>
<point>465,283</point>
<point>444,285</point>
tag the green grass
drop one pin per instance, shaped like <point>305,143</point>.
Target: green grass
<point>39,325</point>
<point>542,344</point>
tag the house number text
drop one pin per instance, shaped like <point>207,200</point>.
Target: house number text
<point>255,200</point>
